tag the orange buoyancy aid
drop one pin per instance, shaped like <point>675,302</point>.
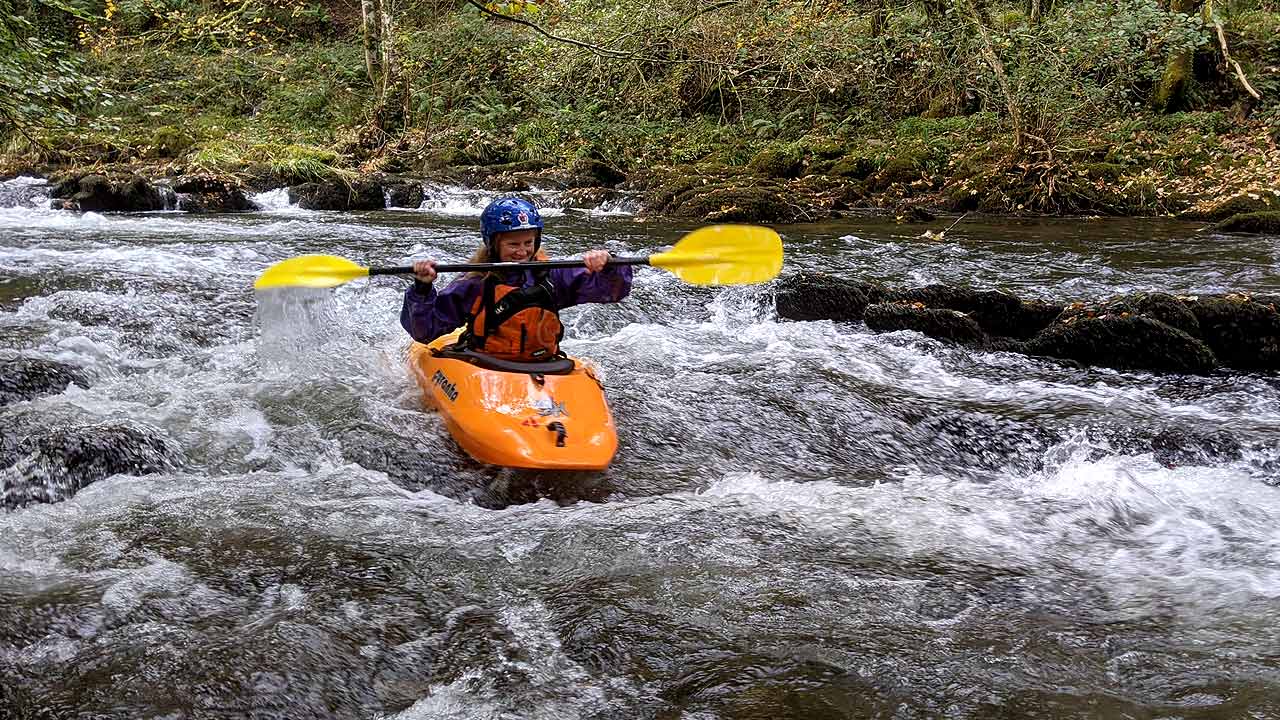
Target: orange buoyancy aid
<point>515,323</point>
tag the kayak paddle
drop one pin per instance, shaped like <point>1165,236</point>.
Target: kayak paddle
<point>713,255</point>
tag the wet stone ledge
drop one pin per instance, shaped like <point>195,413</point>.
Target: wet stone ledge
<point>1156,332</point>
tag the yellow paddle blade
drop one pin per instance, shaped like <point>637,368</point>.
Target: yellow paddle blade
<point>311,271</point>
<point>724,255</point>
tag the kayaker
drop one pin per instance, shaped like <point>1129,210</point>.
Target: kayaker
<point>512,315</point>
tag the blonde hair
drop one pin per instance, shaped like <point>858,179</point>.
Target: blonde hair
<point>481,255</point>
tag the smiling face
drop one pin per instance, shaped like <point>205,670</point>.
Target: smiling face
<point>517,245</point>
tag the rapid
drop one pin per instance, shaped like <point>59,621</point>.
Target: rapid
<point>804,519</point>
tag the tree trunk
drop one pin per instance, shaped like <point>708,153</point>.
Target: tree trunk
<point>879,18</point>
<point>934,9</point>
<point>393,96</point>
<point>371,29</point>
<point>1034,15</point>
<point>1171,93</point>
<point>979,19</point>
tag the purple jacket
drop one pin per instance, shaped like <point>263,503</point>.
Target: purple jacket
<point>428,314</point>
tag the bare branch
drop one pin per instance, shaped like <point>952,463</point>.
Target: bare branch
<point>538,29</point>
<point>597,49</point>
<point>1222,39</point>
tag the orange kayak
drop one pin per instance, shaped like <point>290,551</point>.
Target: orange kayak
<point>546,415</point>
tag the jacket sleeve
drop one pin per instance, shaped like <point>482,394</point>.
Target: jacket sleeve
<point>427,314</point>
<point>575,286</point>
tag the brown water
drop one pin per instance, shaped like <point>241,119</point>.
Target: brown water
<point>804,520</point>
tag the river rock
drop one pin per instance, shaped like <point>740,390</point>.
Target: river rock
<point>1177,446</point>
<point>52,464</point>
<point>205,193</point>
<point>997,313</point>
<point>404,193</point>
<point>27,378</point>
<point>587,197</point>
<point>820,296</point>
<point>1124,342</point>
<point>949,325</point>
<point>360,195</point>
<point>1156,306</point>
<point>1243,331</point>
<point>1243,204</point>
<point>93,192</point>
<point>1266,222</point>
<point>505,183</point>
<point>732,204</point>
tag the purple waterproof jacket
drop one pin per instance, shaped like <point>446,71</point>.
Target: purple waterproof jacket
<point>428,314</point>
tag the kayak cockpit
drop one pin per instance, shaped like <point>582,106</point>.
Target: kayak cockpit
<point>555,366</point>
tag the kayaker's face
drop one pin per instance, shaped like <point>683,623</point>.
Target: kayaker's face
<point>516,246</point>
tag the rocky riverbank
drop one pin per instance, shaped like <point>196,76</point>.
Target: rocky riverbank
<point>771,190</point>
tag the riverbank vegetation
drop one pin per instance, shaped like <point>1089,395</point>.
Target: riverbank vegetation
<point>1050,106</point>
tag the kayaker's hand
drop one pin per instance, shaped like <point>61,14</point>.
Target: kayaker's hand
<point>595,260</point>
<point>425,271</point>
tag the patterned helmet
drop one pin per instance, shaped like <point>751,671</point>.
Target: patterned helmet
<point>506,214</point>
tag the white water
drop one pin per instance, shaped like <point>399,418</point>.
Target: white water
<point>787,514</point>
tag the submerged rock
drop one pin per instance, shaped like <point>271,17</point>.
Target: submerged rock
<point>27,378</point>
<point>1177,446</point>
<point>44,464</point>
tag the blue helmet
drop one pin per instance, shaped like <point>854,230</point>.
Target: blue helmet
<point>506,214</point>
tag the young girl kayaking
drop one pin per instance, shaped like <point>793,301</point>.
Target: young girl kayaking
<point>512,314</point>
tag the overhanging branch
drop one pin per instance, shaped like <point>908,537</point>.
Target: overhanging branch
<point>558,38</point>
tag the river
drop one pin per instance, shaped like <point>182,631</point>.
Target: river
<point>804,519</point>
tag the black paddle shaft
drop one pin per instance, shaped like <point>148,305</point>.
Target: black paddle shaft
<point>534,265</point>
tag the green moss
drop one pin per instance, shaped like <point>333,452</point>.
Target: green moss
<point>1245,203</point>
<point>1103,170</point>
<point>169,142</point>
<point>777,161</point>
<point>1256,222</point>
<point>857,167</point>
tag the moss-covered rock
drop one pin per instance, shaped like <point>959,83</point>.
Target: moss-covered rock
<point>587,197</point>
<point>1156,306</point>
<point>1103,170</point>
<point>998,313</point>
<point>857,167</point>
<point>1243,332</point>
<point>900,170</point>
<point>361,195</point>
<point>404,193</point>
<point>736,204</point>
<point>211,193</point>
<point>1124,342</point>
<point>107,193</point>
<point>777,161</point>
<point>820,296</point>
<point>948,325</point>
<point>1242,204</point>
<point>1255,222</point>
<point>169,142</point>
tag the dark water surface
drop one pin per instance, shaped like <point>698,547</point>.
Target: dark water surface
<point>804,519</point>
